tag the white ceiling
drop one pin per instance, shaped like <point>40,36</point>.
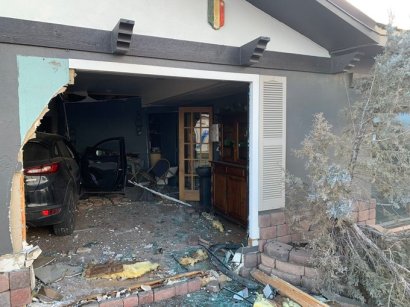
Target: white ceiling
<point>154,90</point>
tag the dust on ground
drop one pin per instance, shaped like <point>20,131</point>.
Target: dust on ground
<point>123,229</point>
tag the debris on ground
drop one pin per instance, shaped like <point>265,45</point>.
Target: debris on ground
<point>83,250</point>
<point>212,275</point>
<point>55,272</point>
<point>225,268</point>
<point>164,196</point>
<point>269,292</point>
<point>32,253</point>
<point>48,295</point>
<point>286,289</point>
<point>166,229</point>
<point>42,261</point>
<point>223,279</point>
<point>198,256</point>
<point>95,201</point>
<point>340,299</point>
<point>218,225</point>
<point>213,286</point>
<point>204,242</point>
<point>98,270</point>
<point>289,303</point>
<point>241,295</point>
<point>145,286</point>
<point>215,223</point>
<point>263,302</point>
<point>120,271</point>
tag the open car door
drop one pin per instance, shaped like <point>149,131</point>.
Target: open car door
<point>103,166</point>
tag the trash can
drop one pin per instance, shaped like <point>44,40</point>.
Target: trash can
<point>204,173</point>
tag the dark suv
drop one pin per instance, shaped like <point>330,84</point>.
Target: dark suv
<point>52,182</point>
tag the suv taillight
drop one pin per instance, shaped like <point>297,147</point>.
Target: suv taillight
<point>42,169</point>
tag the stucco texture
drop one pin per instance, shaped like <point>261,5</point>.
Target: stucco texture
<point>27,84</point>
<point>9,139</point>
<point>307,93</point>
<point>39,80</point>
<point>178,19</point>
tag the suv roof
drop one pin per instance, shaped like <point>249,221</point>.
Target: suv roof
<point>49,136</point>
<point>46,138</point>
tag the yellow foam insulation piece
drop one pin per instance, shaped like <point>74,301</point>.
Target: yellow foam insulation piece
<point>198,256</point>
<point>133,270</point>
<point>262,302</point>
<point>218,225</point>
<point>215,223</point>
<point>289,303</point>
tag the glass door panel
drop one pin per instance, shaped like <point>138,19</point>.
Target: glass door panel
<point>194,148</point>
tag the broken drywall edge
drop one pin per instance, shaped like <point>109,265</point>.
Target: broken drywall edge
<point>12,262</point>
<point>17,222</point>
<point>17,261</point>
<point>16,213</point>
<point>32,130</point>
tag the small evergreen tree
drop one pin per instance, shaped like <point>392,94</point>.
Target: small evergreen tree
<point>373,150</point>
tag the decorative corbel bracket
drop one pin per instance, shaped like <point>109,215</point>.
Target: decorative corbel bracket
<point>121,36</point>
<point>252,52</point>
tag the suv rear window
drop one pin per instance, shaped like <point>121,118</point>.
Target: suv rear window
<point>34,151</point>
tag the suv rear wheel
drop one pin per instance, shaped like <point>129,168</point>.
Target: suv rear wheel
<point>66,227</point>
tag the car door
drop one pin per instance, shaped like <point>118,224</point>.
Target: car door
<point>103,166</point>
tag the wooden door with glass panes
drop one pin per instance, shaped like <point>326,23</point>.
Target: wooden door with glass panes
<point>194,148</point>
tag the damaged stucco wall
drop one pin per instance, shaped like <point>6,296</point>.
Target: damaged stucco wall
<point>26,89</point>
<point>307,93</point>
<point>9,140</point>
<point>39,80</point>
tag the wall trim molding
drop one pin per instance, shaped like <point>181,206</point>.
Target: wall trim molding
<point>48,35</point>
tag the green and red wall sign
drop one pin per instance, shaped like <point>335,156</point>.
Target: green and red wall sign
<point>216,13</point>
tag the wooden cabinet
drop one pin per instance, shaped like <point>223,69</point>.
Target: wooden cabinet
<point>230,191</point>
<point>234,140</point>
<point>219,188</point>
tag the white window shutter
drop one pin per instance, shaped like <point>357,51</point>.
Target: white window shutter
<point>272,153</point>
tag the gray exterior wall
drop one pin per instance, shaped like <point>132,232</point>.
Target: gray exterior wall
<point>9,139</point>
<point>307,93</point>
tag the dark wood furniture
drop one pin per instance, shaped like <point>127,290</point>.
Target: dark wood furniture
<point>234,138</point>
<point>230,174</point>
<point>230,191</point>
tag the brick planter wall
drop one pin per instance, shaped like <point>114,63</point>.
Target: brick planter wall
<point>290,264</point>
<point>278,258</point>
<point>364,212</point>
<point>15,288</point>
<point>274,226</point>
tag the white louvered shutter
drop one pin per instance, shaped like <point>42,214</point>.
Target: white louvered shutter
<point>273,142</point>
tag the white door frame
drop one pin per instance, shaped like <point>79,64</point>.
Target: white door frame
<point>254,103</point>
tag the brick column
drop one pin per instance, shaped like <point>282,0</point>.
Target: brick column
<point>15,288</point>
